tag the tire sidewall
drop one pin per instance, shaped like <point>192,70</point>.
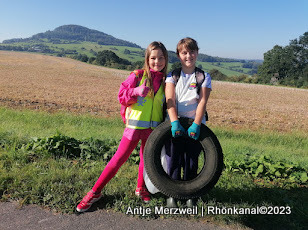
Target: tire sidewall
<point>206,178</point>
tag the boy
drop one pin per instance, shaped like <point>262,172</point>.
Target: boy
<point>185,99</point>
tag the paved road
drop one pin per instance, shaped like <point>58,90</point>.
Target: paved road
<point>32,217</point>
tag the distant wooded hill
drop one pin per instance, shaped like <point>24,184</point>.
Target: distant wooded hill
<point>75,33</point>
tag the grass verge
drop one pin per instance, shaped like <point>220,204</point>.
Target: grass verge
<point>33,171</point>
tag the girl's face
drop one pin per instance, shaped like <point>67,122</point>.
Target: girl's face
<point>157,60</point>
<point>188,58</point>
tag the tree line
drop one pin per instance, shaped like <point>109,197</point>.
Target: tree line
<point>286,65</point>
<point>282,65</point>
<point>108,58</point>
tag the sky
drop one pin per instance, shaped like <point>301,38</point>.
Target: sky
<point>243,29</point>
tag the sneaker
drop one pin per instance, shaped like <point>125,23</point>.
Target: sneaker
<point>87,201</point>
<point>143,194</point>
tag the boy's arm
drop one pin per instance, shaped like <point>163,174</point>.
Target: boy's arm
<point>170,99</point>
<point>204,96</point>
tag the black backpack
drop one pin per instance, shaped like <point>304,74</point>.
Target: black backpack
<point>200,77</point>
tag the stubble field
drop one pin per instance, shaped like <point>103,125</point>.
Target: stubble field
<point>60,84</point>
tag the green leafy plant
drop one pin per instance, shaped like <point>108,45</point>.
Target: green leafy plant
<point>59,145</point>
<point>264,167</point>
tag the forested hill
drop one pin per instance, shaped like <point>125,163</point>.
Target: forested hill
<point>70,34</point>
<point>76,33</point>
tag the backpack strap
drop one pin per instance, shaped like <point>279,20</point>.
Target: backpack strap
<point>176,74</point>
<point>200,77</point>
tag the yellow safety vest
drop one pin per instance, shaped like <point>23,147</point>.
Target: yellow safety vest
<point>147,112</point>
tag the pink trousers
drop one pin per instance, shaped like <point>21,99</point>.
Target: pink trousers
<point>126,147</point>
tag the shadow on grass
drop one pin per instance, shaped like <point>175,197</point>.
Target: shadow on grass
<point>295,198</point>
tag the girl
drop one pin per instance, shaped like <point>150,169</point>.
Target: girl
<point>141,96</point>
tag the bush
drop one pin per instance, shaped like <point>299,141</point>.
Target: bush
<point>217,75</point>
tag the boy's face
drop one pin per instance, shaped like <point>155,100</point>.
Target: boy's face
<point>188,58</point>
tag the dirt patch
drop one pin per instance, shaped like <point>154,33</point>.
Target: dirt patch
<point>60,84</point>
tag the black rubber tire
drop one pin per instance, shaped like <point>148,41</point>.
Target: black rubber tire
<point>180,189</point>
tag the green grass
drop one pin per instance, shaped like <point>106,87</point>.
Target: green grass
<point>26,124</point>
<point>41,178</point>
<point>292,147</point>
<point>236,65</point>
<point>207,66</point>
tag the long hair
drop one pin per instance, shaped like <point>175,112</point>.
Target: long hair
<point>154,46</point>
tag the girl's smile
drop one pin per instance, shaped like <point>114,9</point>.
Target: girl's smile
<point>157,60</point>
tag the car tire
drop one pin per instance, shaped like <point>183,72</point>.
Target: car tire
<point>206,178</point>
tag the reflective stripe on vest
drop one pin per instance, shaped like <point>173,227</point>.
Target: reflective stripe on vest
<point>147,112</point>
<point>143,124</point>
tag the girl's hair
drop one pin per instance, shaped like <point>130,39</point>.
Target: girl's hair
<point>154,46</point>
<point>187,43</point>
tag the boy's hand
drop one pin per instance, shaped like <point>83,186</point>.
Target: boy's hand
<point>194,131</point>
<point>177,129</point>
<point>141,90</point>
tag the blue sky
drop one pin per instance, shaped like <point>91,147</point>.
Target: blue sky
<point>224,28</point>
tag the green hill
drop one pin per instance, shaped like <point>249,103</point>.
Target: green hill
<point>83,44</point>
<point>74,33</point>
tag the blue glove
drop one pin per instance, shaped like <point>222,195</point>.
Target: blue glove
<point>177,129</point>
<point>194,131</point>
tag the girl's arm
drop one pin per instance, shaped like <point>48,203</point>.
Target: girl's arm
<point>204,96</point>
<point>125,95</point>
<point>170,99</point>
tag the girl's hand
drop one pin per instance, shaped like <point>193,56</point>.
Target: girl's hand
<point>141,90</point>
<point>194,131</point>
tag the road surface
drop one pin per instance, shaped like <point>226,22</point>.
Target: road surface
<point>32,217</point>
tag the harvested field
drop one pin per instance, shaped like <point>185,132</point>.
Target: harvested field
<point>60,84</point>
<point>53,83</point>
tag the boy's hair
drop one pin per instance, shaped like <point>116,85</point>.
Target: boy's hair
<point>153,46</point>
<point>187,43</point>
